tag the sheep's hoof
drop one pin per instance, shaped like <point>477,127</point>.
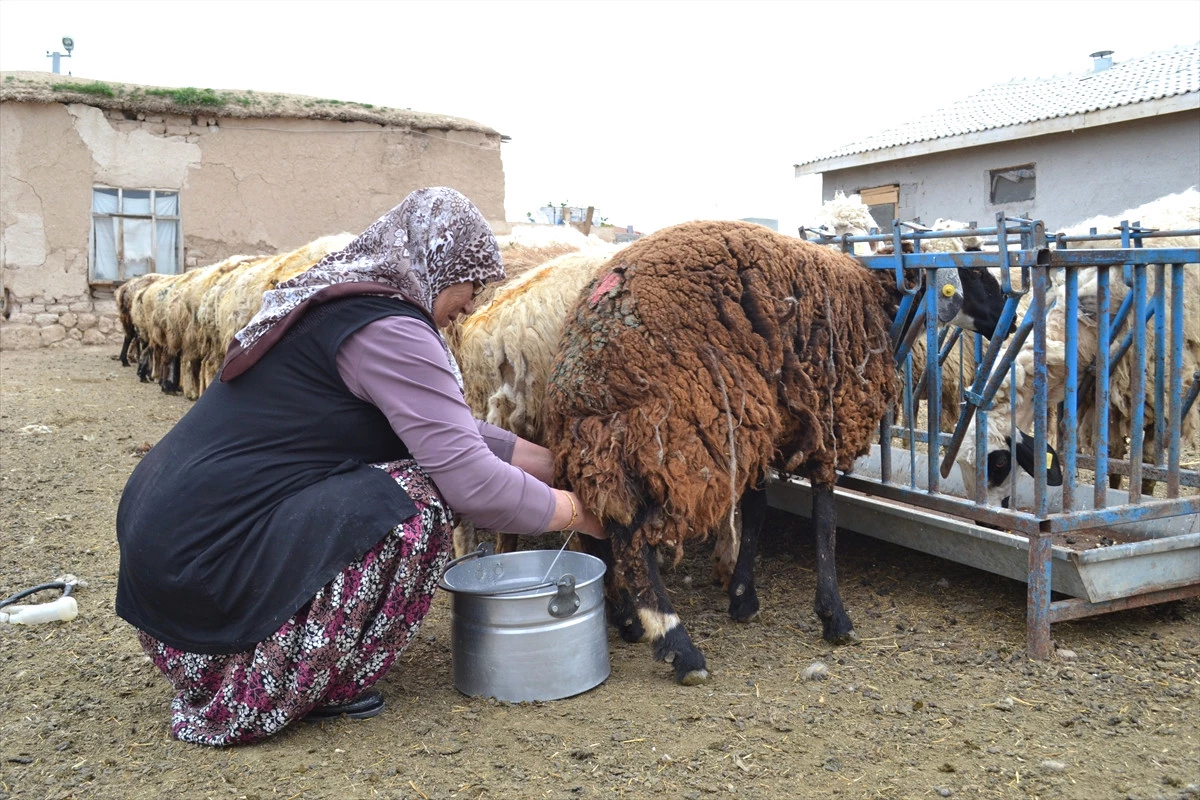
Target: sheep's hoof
<point>744,607</point>
<point>849,637</point>
<point>694,677</point>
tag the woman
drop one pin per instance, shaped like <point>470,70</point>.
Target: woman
<point>281,544</point>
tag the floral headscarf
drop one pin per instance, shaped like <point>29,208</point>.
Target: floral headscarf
<point>434,239</point>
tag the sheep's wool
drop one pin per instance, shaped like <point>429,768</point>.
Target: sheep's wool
<point>704,353</point>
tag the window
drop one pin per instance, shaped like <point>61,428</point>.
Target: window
<point>882,201</point>
<point>134,231</point>
<point>1012,184</point>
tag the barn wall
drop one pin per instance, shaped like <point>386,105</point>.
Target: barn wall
<point>246,186</point>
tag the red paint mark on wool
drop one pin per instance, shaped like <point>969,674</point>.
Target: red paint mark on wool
<point>606,283</point>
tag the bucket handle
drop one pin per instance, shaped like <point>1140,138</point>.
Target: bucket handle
<point>484,549</point>
<point>565,602</point>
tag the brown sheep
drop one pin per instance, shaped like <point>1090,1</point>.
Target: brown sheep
<point>705,354</point>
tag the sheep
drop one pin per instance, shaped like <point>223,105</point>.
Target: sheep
<point>845,216</point>
<point>702,355</point>
<point>242,297</point>
<point>1175,212</point>
<point>125,295</point>
<point>506,348</point>
<point>173,330</point>
<point>982,305</point>
<point>506,351</point>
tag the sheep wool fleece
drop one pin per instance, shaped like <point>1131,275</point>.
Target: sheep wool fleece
<point>707,352</point>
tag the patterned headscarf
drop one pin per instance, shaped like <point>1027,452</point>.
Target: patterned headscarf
<point>434,239</point>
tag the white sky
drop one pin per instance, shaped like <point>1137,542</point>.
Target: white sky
<point>655,112</point>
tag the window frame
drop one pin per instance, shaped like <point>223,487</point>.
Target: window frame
<point>153,217</point>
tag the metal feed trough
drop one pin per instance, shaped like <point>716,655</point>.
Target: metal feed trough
<point>1101,548</point>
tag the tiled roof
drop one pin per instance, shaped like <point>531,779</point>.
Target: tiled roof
<point>1151,77</point>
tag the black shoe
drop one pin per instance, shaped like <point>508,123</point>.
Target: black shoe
<point>368,704</point>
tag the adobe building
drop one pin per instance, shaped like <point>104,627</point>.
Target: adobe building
<point>100,182</point>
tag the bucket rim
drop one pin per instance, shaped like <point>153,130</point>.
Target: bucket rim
<point>537,590</point>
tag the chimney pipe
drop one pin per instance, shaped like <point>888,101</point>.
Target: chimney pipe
<point>1101,60</point>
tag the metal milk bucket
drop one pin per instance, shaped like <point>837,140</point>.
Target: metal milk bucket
<point>527,627</point>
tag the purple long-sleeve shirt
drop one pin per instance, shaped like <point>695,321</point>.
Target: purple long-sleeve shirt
<point>397,364</point>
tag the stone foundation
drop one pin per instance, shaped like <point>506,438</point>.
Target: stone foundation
<point>27,323</point>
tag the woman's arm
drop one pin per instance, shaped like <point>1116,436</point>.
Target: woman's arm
<point>398,365</point>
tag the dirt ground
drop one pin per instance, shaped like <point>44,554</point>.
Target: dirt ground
<point>938,701</point>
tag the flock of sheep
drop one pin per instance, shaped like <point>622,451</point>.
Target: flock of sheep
<point>667,377</point>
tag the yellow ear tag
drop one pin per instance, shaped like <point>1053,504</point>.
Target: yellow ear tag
<point>948,290</point>
<point>1049,459</point>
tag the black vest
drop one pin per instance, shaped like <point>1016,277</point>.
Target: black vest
<point>261,494</point>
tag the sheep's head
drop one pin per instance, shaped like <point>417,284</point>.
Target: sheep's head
<point>1003,443</point>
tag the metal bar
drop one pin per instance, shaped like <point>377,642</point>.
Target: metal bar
<point>947,346</point>
<point>1015,521</point>
<point>1070,421</point>
<point>1148,234</point>
<point>1077,608</point>
<point>1175,413</point>
<point>1118,515</point>
<point>984,399</point>
<point>1137,433</point>
<point>974,395</point>
<point>1041,279</point>
<point>1037,598</point>
<point>1117,257</point>
<point>1103,303</point>
<point>907,437</point>
<point>1117,466</point>
<point>1192,393</point>
<point>1116,325</point>
<point>933,382</point>
<point>885,448</point>
<point>914,329</point>
<point>909,413</point>
<point>1158,401</point>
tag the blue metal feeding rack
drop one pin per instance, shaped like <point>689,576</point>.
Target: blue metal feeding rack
<point>1100,548</point>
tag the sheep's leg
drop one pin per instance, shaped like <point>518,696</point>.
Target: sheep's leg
<point>145,356</point>
<point>837,626</point>
<point>170,382</point>
<point>464,538</point>
<point>506,543</point>
<point>622,613</point>
<point>667,635</point>
<point>743,597</point>
<point>125,349</point>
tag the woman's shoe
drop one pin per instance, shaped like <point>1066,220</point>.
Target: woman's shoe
<point>368,704</point>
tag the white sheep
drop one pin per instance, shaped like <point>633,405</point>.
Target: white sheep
<point>1176,212</point>
<point>506,348</point>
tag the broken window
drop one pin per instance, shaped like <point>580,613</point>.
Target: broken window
<point>1013,184</point>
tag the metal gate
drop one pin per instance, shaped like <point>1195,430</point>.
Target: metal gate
<point>1103,548</point>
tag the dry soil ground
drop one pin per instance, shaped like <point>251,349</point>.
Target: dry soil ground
<point>938,701</point>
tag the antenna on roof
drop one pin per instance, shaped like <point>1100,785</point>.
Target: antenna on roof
<point>1101,60</point>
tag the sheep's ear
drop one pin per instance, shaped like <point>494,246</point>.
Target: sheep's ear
<point>1025,459</point>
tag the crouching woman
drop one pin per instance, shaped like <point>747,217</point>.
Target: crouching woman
<point>281,544</point>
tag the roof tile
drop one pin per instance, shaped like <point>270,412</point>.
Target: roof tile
<point>1158,75</point>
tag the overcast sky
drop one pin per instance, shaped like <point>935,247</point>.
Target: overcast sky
<point>653,112</point>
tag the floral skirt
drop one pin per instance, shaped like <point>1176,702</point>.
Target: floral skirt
<point>332,649</point>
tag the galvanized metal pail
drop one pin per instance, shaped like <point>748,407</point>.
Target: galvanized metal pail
<point>517,637</point>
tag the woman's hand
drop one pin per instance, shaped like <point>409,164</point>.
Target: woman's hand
<point>570,515</point>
